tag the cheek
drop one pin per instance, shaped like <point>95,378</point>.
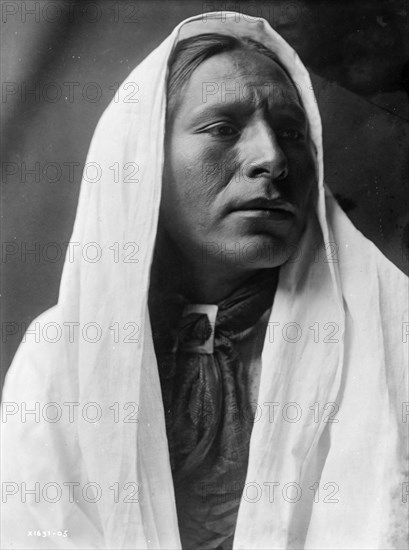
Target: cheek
<point>218,170</point>
<point>198,170</point>
<point>311,177</point>
<point>185,190</point>
<point>304,176</point>
<point>178,174</point>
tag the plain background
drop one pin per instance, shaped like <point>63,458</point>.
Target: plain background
<point>73,54</point>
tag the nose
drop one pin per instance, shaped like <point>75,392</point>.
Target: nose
<point>264,158</point>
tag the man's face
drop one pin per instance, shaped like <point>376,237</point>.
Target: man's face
<point>239,169</point>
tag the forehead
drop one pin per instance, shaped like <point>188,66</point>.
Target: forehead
<point>243,78</point>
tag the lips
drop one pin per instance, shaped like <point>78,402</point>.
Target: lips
<point>274,206</point>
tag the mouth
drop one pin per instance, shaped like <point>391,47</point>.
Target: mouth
<point>274,209</point>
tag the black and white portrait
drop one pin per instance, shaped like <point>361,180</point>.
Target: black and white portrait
<point>204,265</point>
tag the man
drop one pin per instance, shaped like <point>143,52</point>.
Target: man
<point>239,172</point>
<point>148,446</point>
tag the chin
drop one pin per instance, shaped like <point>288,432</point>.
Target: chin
<point>256,252</point>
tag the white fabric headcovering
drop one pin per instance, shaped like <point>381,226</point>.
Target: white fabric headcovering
<point>329,415</point>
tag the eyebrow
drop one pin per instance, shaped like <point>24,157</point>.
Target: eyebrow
<point>240,107</point>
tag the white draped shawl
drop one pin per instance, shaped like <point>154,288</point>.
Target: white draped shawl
<point>328,453</point>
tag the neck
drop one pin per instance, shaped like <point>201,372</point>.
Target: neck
<point>199,281</point>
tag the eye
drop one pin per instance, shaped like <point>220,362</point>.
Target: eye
<point>222,130</point>
<point>291,133</point>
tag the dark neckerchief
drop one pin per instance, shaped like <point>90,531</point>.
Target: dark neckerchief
<point>207,434</point>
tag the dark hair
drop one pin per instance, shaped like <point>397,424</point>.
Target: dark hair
<point>191,52</point>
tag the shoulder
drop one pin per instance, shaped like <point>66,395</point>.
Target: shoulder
<point>43,362</point>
